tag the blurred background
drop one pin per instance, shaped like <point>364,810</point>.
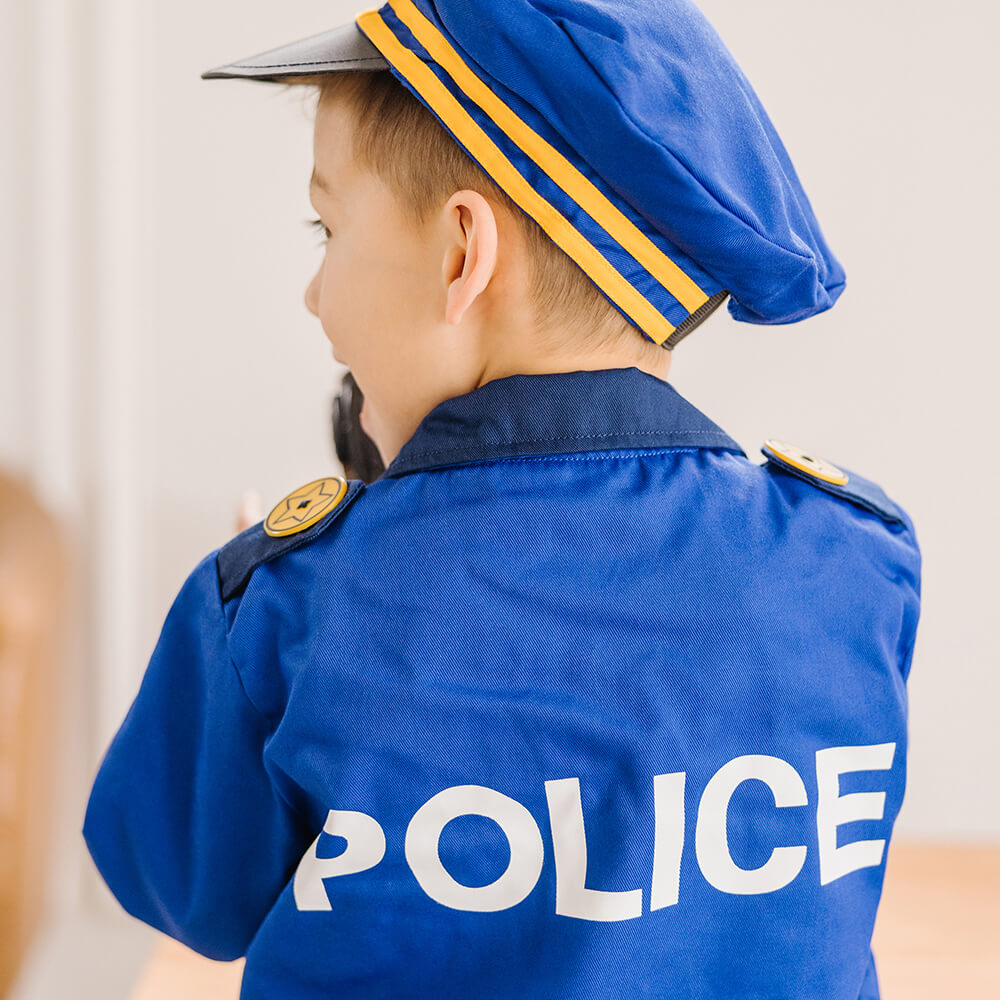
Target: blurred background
<point>157,360</point>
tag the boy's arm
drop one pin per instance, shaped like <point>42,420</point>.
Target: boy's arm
<point>183,821</point>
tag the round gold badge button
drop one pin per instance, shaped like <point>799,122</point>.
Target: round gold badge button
<point>307,505</point>
<point>798,459</point>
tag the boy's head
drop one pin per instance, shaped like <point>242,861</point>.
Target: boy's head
<point>433,281</point>
<point>626,136</point>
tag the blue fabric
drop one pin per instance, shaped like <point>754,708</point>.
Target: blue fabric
<point>240,557</point>
<point>494,422</point>
<point>619,258</point>
<point>644,98</point>
<point>556,582</point>
<point>857,489</point>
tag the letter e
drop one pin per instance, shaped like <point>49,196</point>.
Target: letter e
<point>834,809</point>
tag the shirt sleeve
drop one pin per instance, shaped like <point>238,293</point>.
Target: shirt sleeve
<point>908,576</point>
<point>183,821</point>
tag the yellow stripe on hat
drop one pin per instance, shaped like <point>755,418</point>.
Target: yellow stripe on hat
<point>562,232</point>
<point>575,184</point>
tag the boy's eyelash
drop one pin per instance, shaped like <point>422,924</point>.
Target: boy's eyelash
<point>320,225</point>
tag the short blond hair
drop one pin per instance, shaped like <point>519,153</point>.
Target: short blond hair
<point>400,141</point>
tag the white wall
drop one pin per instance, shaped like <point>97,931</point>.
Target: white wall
<point>889,113</point>
<point>158,359</point>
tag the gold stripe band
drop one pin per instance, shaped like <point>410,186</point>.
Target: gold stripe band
<point>556,226</point>
<point>604,212</point>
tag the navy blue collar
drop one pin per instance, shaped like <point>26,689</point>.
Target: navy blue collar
<point>557,413</point>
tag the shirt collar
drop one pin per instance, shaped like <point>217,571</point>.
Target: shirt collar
<point>558,413</point>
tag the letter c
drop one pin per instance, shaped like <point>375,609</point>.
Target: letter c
<point>711,838</point>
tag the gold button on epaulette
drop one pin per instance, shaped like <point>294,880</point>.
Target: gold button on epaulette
<point>307,505</point>
<point>810,464</point>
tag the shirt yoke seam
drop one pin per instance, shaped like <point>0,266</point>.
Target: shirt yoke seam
<point>589,457</point>
<point>582,437</point>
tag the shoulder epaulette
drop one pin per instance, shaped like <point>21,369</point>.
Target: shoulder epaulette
<point>829,477</point>
<point>298,519</point>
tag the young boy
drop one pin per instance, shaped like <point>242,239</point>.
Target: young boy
<point>575,700</point>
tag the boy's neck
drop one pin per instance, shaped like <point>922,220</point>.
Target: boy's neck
<point>648,358</point>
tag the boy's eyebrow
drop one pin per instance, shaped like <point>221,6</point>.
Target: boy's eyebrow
<point>316,181</point>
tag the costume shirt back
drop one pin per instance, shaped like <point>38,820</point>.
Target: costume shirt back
<point>575,701</point>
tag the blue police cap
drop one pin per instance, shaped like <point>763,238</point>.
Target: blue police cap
<point>626,130</point>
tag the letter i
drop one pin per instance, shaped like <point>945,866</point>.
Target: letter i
<point>668,845</point>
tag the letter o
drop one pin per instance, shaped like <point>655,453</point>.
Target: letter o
<point>519,827</point>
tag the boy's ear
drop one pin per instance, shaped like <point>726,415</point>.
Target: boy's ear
<point>471,256</point>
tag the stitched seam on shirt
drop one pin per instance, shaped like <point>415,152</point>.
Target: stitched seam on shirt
<point>229,652</point>
<point>589,457</point>
<point>272,724</point>
<point>579,437</point>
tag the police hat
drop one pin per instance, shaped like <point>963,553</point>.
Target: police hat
<point>626,130</point>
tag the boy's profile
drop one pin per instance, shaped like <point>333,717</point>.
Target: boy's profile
<point>573,700</point>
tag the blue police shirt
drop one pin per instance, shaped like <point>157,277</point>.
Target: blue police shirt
<point>576,701</point>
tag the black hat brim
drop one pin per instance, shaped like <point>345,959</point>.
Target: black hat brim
<point>334,51</point>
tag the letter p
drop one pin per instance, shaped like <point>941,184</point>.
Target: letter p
<point>365,849</point>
